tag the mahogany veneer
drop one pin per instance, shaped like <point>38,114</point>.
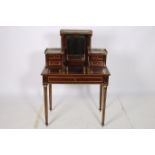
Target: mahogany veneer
<point>61,68</point>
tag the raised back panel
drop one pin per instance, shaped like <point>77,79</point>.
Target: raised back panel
<point>83,34</point>
<point>76,45</point>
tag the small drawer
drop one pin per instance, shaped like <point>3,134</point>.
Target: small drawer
<point>97,57</point>
<point>52,63</point>
<point>96,64</point>
<point>54,56</point>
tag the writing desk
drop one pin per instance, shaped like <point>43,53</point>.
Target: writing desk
<point>75,63</point>
<point>61,75</point>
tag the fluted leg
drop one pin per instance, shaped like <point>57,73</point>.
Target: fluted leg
<point>100,104</point>
<point>45,104</point>
<point>50,96</point>
<point>104,90</point>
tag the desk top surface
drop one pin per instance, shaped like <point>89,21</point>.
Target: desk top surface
<point>59,51</point>
<point>102,71</point>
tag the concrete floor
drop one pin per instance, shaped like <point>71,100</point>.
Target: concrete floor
<point>78,112</point>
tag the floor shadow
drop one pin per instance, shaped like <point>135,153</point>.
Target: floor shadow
<point>114,118</point>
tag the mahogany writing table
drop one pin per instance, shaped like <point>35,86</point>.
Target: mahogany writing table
<point>96,76</point>
<point>75,63</point>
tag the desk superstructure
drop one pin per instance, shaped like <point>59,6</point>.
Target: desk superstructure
<point>75,63</point>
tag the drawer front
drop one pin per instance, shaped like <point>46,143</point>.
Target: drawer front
<point>54,63</point>
<point>54,56</point>
<point>87,79</point>
<point>96,64</point>
<point>97,57</point>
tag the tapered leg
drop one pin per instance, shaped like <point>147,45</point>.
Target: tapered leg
<point>100,104</point>
<point>50,96</point>
<point>104,88</point>
<point>45,104</point>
